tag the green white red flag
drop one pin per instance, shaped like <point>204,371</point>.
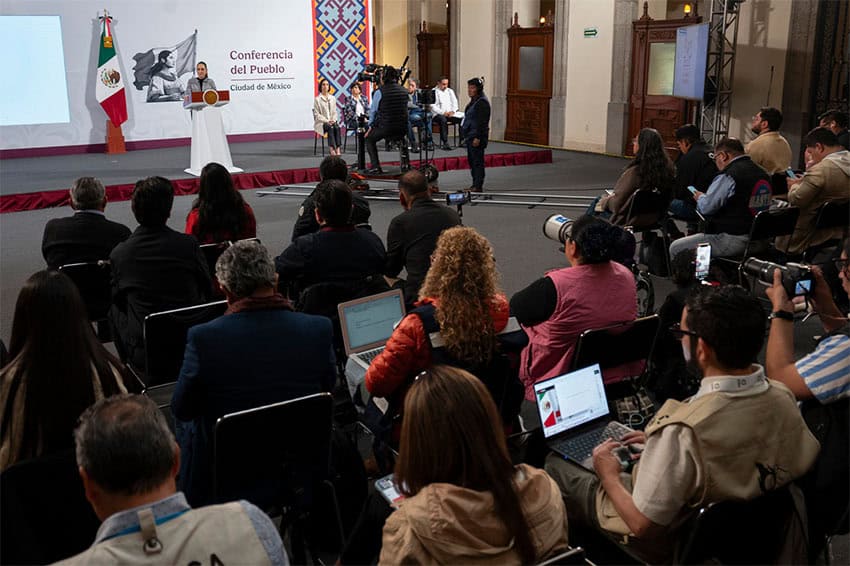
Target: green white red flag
<point>110,84</point>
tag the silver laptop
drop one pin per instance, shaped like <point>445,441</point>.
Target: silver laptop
<point>368,323</point>
<point>573,412</point>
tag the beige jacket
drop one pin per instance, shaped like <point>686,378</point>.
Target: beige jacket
<point>324,111</point>
<point>771,152</point>
<point>448,524</point>
<point>828,180</point>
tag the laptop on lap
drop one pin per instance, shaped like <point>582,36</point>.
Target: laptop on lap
<point>573,410</point>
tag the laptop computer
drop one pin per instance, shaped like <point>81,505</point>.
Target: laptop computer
<point>573,411</point>
<point>367,323</point>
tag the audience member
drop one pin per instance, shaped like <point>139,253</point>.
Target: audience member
<point>128,462</point>
<point>445,110</point>
<point>155,269</point>
<point>332,167</point>
<point>769,150</point>
<point>326,117</point>
<point>825,373</point>
<point>389,119</point>
<point>694,168</point>
<point>826,179</point>
<point>87,235</point>
<point>57,369</point>
<point>418,117</point>
<point>475,131</point>
<point>465,501</point>
<point>673,379</point>
<point>650,169</point>
<point>837,122</point>
<point>275,353</point>
<point>460,301</point>
<point>412,235</point>
<point>595,291</point>
<point>219,213</point>
<point>740,437</point>
<point>338,252</point>
<point>735,196</point>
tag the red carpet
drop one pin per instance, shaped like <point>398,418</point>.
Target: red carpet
<point>47,199</point>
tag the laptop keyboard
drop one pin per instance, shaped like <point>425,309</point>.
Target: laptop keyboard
<point>581,447</point>
<point>369,355</point>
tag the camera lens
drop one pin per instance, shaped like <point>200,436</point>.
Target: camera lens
<point>557,227</point>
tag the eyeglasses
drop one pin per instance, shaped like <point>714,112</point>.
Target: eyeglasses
<point>679,333</point>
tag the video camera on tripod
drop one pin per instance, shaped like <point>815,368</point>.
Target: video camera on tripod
<point>376,74</point>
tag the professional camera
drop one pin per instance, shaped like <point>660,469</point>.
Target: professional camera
<point>797,279</point>
<point>426,96</point>
<point>557,228</point>
<point>458,198</point>
<point>375,73</point>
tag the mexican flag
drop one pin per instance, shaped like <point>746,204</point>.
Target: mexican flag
<point>110,84</point>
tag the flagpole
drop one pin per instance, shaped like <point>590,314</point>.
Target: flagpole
<point>114,133</point>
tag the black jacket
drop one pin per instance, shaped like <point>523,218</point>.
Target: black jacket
<point>83,237</point>
<point>752,194</point>
<point>307,224</point>
<point>155,269</point>
<point>392,109</point>
<point>476,120</point>
<point>695,168</point>
<point>412,238</point>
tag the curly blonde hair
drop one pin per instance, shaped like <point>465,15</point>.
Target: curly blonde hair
<point>464,280</point>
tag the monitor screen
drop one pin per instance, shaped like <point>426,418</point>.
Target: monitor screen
<point>570,400</point>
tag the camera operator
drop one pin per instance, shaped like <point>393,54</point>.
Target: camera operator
<point>390,117</point>
<point>825,373</point>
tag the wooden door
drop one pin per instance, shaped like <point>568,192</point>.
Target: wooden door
<point>651,101</point>
<point>434,60</point>
<point>529,90</point>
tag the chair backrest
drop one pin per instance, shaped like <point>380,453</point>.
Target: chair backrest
<point>46,516</point>
<point>646,202</point>
<point>618,344</point>
<point>165,339</point>
<point>738,532</point>
<point>161,395</point>
<point>94,281</point>
<point>772,223</point>
<point>570,556</point>
<point>212,252</point>
<point>271,454</point>
<point>833,214</point>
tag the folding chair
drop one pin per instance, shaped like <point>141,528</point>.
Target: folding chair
<point>94,281</point>
<point>165,339</point>
<point>738,532</point>
<point>278,458</point>
<point>767,225</point>
<point>571,556</point>
<point>161,395</point>
<point>651,203</point>
<point>834,214</point>
<point>212,252</point>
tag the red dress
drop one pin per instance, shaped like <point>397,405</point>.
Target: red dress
<point>248,231</point>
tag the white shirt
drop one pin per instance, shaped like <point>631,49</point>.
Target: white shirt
<point>446,102</point>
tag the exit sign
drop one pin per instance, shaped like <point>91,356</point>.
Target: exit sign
<point>590,32</point>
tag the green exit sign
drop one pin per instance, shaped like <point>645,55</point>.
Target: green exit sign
<point>590,32</point>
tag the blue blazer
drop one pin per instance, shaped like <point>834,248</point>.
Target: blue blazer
<point>241,361</point>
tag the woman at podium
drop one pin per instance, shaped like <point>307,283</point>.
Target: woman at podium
<point>201,82</point>
<point>165,82</point>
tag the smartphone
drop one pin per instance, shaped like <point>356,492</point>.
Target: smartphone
<point>386,486</point>
<point>693,190</point>
<point>703,261</point>
<point>790,173</point>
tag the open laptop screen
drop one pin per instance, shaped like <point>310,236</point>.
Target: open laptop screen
<point>369,324</point>
<point>570,400</point>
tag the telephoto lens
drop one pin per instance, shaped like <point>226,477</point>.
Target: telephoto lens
<point>557,228</point>
<point>797,279</point>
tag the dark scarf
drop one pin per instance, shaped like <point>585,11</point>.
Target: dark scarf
<point>276,301</point>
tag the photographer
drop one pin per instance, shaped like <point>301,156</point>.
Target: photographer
<point>825,373</point>
<point>390,117</point>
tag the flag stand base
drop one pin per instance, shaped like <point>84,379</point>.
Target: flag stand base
<point>114,138</point>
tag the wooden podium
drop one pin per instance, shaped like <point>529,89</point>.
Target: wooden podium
<point>209,143</point>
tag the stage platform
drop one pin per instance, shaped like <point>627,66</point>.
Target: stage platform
<point>34,183</point>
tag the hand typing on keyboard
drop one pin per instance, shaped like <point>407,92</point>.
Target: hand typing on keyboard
<point>605,462</point>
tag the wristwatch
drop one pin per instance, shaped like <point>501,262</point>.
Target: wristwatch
<point>784,315</point>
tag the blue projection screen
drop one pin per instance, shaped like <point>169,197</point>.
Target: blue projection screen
<point>691,59</point>
<point>32,64</point>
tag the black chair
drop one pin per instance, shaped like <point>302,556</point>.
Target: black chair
<point>652,203</point>
<point>161,395</point>
<point>94,281</point>
<point>570,556</point>
<point>618,344</point>
<point>767,225</point>
<point>46,516</point>
<point>212,252</point>
<point>278,458</point>
<point>165,339</point>
<point>834,214</point>
<point>738,532</point>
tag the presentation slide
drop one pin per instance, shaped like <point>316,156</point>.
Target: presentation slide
<point>691,59</point>
<point>32,64</point>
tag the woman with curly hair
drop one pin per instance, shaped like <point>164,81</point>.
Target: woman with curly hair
<point>460,307</point>
<point>219,213</point>
<point>650,169</point>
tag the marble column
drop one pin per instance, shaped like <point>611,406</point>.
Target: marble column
<point>414,21</point>
<point>625,11</point>
<point>558,102</point>
<point>498,86</point>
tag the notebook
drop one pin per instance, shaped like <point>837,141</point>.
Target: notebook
<point>573,411</point>
<point>367,324</point>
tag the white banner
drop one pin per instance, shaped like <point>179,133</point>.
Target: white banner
<point>260,50</point>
